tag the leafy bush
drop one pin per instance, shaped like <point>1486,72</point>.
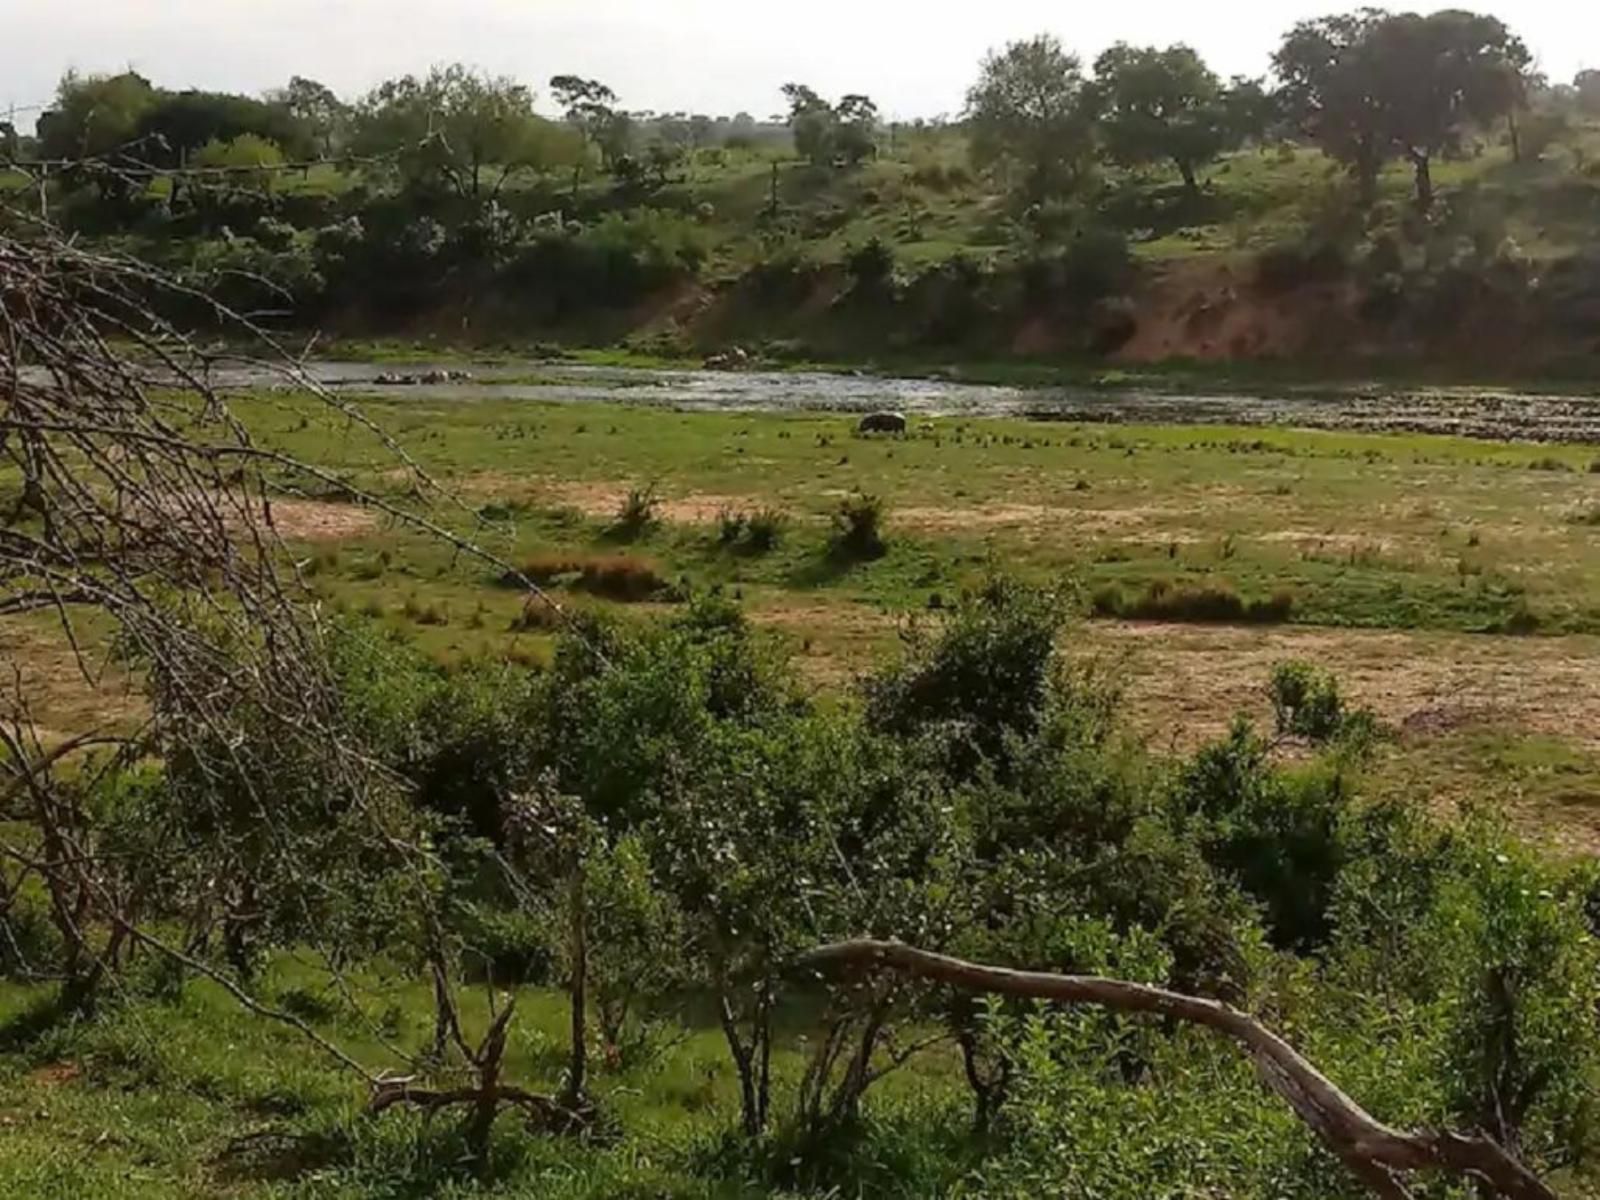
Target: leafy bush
<point>858,526</point>
<point>988,677</point>
<point>638,512</point>
<point>1307,703</point>
<point>764,530</point>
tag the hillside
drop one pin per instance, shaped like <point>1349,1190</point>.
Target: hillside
<point>914,254</point>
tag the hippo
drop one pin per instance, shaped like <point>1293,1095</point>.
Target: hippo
<point>883,422</point>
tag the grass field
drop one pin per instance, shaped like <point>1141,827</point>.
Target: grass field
<point>1449,582</point>
<point>1452,582</point>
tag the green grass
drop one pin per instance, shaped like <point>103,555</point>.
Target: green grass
<point>1386,531</point>
<point>189,1095</point>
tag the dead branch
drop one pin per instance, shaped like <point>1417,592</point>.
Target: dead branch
<point>1375,1152</point>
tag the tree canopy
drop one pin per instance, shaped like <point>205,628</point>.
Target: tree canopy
<point>1155,105</point>
<point>1372,86</point>
<point>449,126</point>
<point>94,115</point>
<point>1029,118</point>
<point>591,108</point>
<point>826,133</point>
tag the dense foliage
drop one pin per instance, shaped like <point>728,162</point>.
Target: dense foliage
<point>661,822</point>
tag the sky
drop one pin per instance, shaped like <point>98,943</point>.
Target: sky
<point>715,56</point>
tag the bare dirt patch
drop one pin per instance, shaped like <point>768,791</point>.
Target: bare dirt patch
<point>1185,683</point>
<point>65,696</point>
<point>1192,679</point>
<point>321,521</point>
<point>601,499</point>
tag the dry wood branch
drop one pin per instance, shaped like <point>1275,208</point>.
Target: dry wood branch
<point>1375,1152</point>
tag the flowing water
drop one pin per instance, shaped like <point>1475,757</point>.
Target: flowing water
<point>1462,411</point>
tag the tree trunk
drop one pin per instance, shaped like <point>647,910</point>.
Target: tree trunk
<point>578,1066</point>
<point>1374,1152</point>
<point>752,1061</point>
<point>1423,166</point>
<point>1366,172</point>
<point>1515,129</point>
<point>1191,185</point>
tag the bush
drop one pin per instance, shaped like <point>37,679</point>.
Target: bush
<point>1289,265</point>
<point>730,526</point>
<point>1209,602</point>
<point>765,529</point>
<point>988,677</point>
<point>1307,703</point>
<point>638,511</point>
<point>858,526</point>
<point>871,268</point>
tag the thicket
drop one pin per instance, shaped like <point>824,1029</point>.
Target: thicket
<point>662,822</point>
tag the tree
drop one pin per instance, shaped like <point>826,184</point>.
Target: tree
<point>810,123</point>
<point>448,127</point>
<point>825,133</point>
<point>1439,75</point>
<point>1328,76</point>
<point>1370,86</point>
<point>1029,120</point>
<point>856,119</point>
<point>179,124</point>
<point>1587,87</point>
<point>591,109</point>
<point>94,115</point>
<point>324,118</point>
<point>1161,104</point>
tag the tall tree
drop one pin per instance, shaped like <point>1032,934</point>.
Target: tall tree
<point>591,108</point>
<point>1328,89</point>
<point>95,115</point>
<point>1029,119</point>
<point>1372,86</point>
<point>322,116</point>
<point>1440,75</point>
<point>178,124</point>
<point>856,119</point>
<point>1156,105</point>
<point>454,124</point>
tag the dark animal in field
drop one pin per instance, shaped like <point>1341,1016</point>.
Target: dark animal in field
<point>883,422</point>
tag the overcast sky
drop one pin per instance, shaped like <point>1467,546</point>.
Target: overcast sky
<point>714,56</point>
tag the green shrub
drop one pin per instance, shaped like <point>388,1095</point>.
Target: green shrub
<point>765,528</point>
<point>858,526</point>
<point>1307,703</point>
<point>638,512</point>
